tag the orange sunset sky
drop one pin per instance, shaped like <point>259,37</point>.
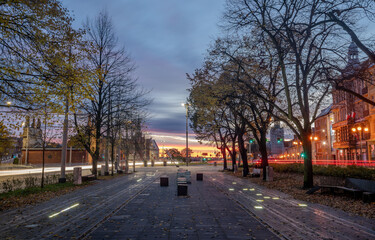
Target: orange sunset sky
<point>178,140</point>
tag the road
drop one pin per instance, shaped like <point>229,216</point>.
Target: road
<point>134,206</point>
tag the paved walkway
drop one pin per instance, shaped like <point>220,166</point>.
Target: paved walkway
<point>157,213</point>
<point>134,206</point>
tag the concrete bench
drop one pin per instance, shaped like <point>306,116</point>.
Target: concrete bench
<point>356,193</point>
<point>366,186</point>
<point>164,181</point>
<point>368,197</point>
<point>181,180</point>
<point>90,177</point>
<point>353,187</point>
<point>183,177</point>
<point>185,174</point>
<point>255,172</point>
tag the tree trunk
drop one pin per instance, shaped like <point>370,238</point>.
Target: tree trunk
<point>233,155</point>
<point>263,152</point>
<point>112,155</point>
<point>224,153</point>
<point>95,158</point>
<point>308,170</point>
<point>43,157</point>
<point>243,152</point>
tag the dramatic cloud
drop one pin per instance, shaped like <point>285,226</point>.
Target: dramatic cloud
<point>167,39</point>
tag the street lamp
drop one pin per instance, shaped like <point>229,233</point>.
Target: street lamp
<point>186,105</point>
<point>359,128</point>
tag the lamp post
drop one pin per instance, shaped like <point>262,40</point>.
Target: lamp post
<point>26,125</point>
<point>187,134</point>
<point>366,130</point>
<point>359,129</point>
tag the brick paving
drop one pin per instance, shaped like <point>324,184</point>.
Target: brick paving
<point>158,213</point>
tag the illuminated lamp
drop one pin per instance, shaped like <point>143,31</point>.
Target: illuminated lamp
<point>324,143</point>
<point>353,129</point>
<point>359,128</point>
<point>366,129</point>
<point>315,138</point>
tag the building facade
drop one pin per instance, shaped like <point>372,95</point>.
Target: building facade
<point>276,139</point>
<point>353,126</point>
<point>322,139</point>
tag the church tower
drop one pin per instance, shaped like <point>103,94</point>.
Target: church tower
<point>353,55</point>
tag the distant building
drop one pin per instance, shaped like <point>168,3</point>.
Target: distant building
<point>32,151</point>
<point>154,150</point>
<point>276,139</point>
<point>322,140</point>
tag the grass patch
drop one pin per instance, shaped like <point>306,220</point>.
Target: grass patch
<point>57,187</point>
<point>334,171</point>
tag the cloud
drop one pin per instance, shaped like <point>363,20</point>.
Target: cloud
<point>167,39</point>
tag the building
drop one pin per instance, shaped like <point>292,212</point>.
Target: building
<point>32,151</point>
<point>353,127</point>
<point>322,139</point>
<point>276,139</point>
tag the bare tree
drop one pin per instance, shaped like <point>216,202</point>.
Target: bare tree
<point>114,90</point>
<point>291,29</point>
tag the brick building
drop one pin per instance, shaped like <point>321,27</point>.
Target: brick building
<point>353,127</point>
<point>322,139</point>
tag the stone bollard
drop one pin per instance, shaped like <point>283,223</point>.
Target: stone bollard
<point>164,181</point>
<point>164,163</point>
<point>199,176</point>
<point>77,175</point>
<point>102,170</point>
<point>269,175</point>
<point>235,168</point>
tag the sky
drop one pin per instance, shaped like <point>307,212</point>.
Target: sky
<point>166,39</point>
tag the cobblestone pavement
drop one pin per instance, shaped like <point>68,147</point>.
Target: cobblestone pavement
<point>72,215</point>
<point>293,219</point>
<point>221,206</point>
<point>206,213</point>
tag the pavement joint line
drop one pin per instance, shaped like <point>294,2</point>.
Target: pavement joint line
<point>47,210</point>
<point>271,229</point>
<point>92,229</point>
<point>72,201</point>
<point>337,220</point>
<point>327,216</point>
<point>83,214</point>
<point>278,213</point>
<point>79,217</point>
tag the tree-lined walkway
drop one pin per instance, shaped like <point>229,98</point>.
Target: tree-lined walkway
<point>221,206</point>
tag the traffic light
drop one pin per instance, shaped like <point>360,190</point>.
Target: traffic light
<point>279,140</point>
<point>302,155</point>
<point>251,140</point>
